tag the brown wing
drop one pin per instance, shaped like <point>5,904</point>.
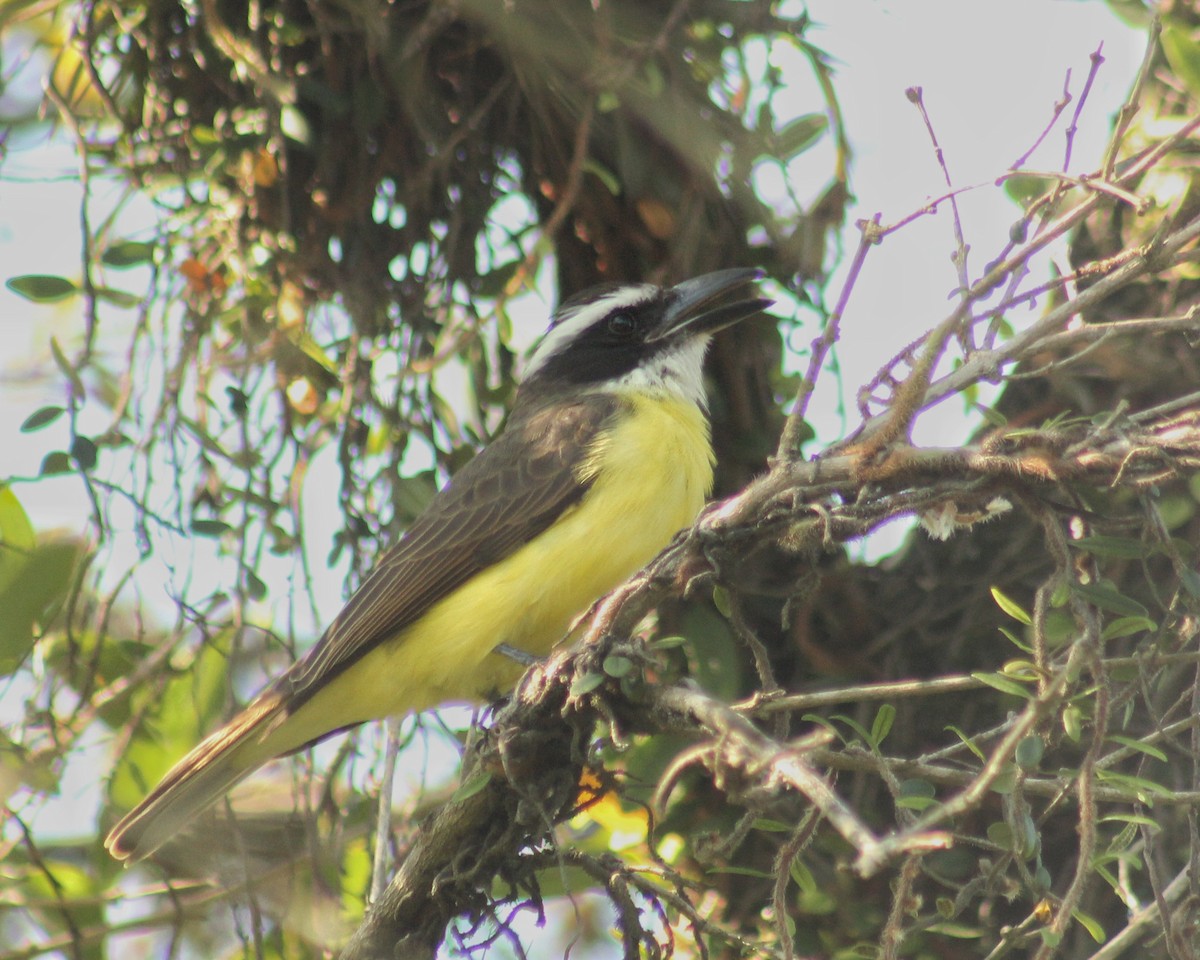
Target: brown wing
<point>512,491</point>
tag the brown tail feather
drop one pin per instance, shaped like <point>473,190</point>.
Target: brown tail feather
<point>198,780</point>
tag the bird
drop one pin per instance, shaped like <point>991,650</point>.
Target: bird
<point>604,457</point>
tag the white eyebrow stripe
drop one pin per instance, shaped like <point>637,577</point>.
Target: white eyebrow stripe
<point>571,324</point>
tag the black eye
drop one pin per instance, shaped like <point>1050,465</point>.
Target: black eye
<point>622,325</point>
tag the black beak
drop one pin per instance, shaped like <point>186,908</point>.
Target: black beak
<point>702,305</point>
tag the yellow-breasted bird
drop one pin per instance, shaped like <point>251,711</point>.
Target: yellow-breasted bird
<point>605,456</point>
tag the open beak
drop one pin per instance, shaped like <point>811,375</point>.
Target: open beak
<point>703,305</point>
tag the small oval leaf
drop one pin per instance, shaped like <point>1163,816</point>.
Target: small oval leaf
<point>128,253</point>
<point>42,288</point>
<point>41,418</point>
<point>83,452</point>
<point>54,463</point>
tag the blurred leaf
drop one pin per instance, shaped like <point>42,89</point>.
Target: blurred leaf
<point>772,826</point>
<point>586,683</point>
<point>1137,745</point>
<point>31,596</point>
<point>1124,547</point>
<point>999,681</point>
<point>1072,721</point>
<point>604,175</point>
<point>83,452</point>
<point>1107,597</point>
<point>118,298</point>
<point>916,794</point>
<point>210,528</point>
<point>54,463</point>
<point>1091,925</point>
<point>1127,627</point>
<point>496,281</point>
<point>472,785</point>
<point>1024,188</point>
<point>255,588</point>
<point>42,288</point>
<point>967,741</point>
<point>798,135</point>
<point>1029,752</point>
<point>1141,787</point>
<point>175,717</point>
<point>1183,53</point>
<point>67,368</point>
<point>127,253</point>
<point>41,418</point>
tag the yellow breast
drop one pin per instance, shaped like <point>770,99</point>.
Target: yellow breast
<point>650,474</point>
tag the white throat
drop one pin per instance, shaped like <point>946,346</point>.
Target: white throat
<point>678,371</point>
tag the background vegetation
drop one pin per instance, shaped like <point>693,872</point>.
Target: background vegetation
<point>984,746</point>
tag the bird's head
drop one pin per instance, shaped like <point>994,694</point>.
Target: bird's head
<point>639,336</point>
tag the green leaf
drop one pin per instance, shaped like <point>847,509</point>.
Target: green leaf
<point>617,666</point>
<point>1000,833</point>
<point>17,538</point>
<point>210,528</point>
<point>1138,746</point>
<point>1127,626</point>
<point>1015,640</point>
<point>54,463</point>
<point>127,253</point>
<point>802,875</point>
<point>993,416</point>
<point>1123,547</point>
<point>1006,781</point>
<point>1091,925</point>
<point>1133,818</point>
<point>916,794</point>
<point>1183,54</point>
<point>118,298</point>
<point>1191,581</point>
<point>1023,188</point>
<point>1144,789</point>
<point>798,135</point>
<point>34,590</point>
<point>997,681</point>
<point>1072,721</point>
<point>65,365</point>
<point>471,786</point>
<point>1011,607</point>
<point>586,683</point>
<point>1107,597</point>
<point>255,588</point>
<point>772,826</point>
<point>495,281</point>
<point>41,418</point>
<point>42,288</point>
<point>1029,752</point>
<point>966,741</point>
<point>881,726</point>
<point>83,452</point>
<point>607,101</point>
<point>611,183</point>
<point>856,727</point>
<point>722,602</point>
